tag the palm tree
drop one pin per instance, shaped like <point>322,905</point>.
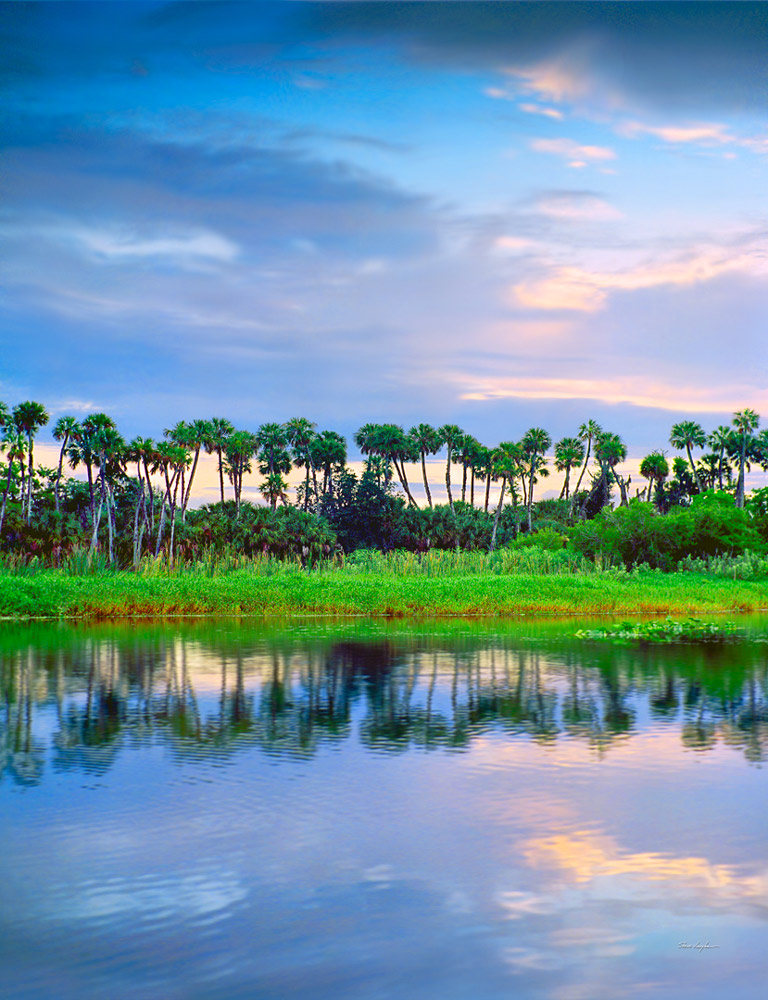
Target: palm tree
<point>29,417</point>
<point>194,437</point>
<point>390,443</point>
<point>241,447</point>
<point>655,468</point>
<point>745,422</point>
<point>81,449</point>
<point>171,460</point>
<point>534,446</point>
<point>427,440</point>
<point>719,440</point>
<point>64,429</point>
<point>110,452</point>
<point>301,433</point>
<point>466,453</point>
<point>15,444</point>
<point>451,436</point>
<point>329,453</point>
<point>688,434</point>
<point>507,467</point>
<point>483,469</point>
<point>140,451</point>
<point>219,431</point>
<point>569,452</point>
<point>587,432</point>
<point>274,457</point>
<point>609,451</point>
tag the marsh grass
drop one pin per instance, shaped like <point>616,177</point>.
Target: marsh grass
<point>392,585</point>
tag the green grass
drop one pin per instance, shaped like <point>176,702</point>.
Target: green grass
<point>268,588</point>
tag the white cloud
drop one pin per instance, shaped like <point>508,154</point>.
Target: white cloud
<point>537,109</point>
<point>123,243</point>
<point>579,207</point>
<point>706,134</point>
<point>575,153</point>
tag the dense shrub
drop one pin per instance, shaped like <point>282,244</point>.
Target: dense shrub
<point>711,526</point>
<point>284,532</point>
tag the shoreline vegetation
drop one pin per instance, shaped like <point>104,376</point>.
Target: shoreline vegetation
<point>272,588</point>
<point>125,540</point>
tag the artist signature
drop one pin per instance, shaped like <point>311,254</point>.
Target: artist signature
<point>699,946</point>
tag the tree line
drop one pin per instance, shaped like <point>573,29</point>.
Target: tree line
<point>135,495</point>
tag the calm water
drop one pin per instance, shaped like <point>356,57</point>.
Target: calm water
<point>468,811</point>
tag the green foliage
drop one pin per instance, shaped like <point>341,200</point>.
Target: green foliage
<point>255,531</point>
<point>636,534</point>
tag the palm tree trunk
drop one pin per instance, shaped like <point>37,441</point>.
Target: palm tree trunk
<point>89,467</point>
<point>29,487</point>
<point>499,505</point>
<point>530,496</point>
<point>739,499</point>
<point>487,490</point>
<point>7,491</point>
<point>695,470</point>
<point>139,501</point>
<point>221,474</point>
<point>584,466</point>
<point>424,474</point>
<point>58,473</point>
<point>110,526</point>
<point>464,484</point>
<point>97,522</point>
<point>448,478</point>
<point>472,488</point>
<point>404,480</point>
<point>185,501</point>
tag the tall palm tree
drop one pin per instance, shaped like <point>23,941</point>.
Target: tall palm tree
<point>141,450</point>
<point>507,467</point>
<point>655,468</point>
<point>193,436</point>
<point>81,450</point>
<point>718,440</point>
<point>535,444</point>
<point>64,429</point>
<point>241,447</point>
<point>485,459</point>
<point>569,452</point>
<point>451,436</point>
<point>301,433</point>
<point>745,422</point>
<point>426,440</point>
<point>588,432</point>
<point>688,434</point>
<point>14,444</point>
<point>220,429</point>
<point>29,417</point>
<point>274,457</point>
<point>329,453</point>
<point>610,450</point>
<point>109,452</point>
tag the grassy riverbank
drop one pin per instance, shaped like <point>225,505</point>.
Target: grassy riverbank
<point>289,590</point>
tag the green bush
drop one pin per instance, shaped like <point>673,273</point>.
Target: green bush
<point>711,526</point>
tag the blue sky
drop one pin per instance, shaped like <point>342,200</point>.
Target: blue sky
<point>496,215</point>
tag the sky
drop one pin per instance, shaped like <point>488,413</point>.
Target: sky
<point>497,215</point>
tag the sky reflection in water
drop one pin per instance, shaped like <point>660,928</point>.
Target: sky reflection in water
<point>222,809</point>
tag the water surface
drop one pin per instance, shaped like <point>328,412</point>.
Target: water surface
<point>223,810</point>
